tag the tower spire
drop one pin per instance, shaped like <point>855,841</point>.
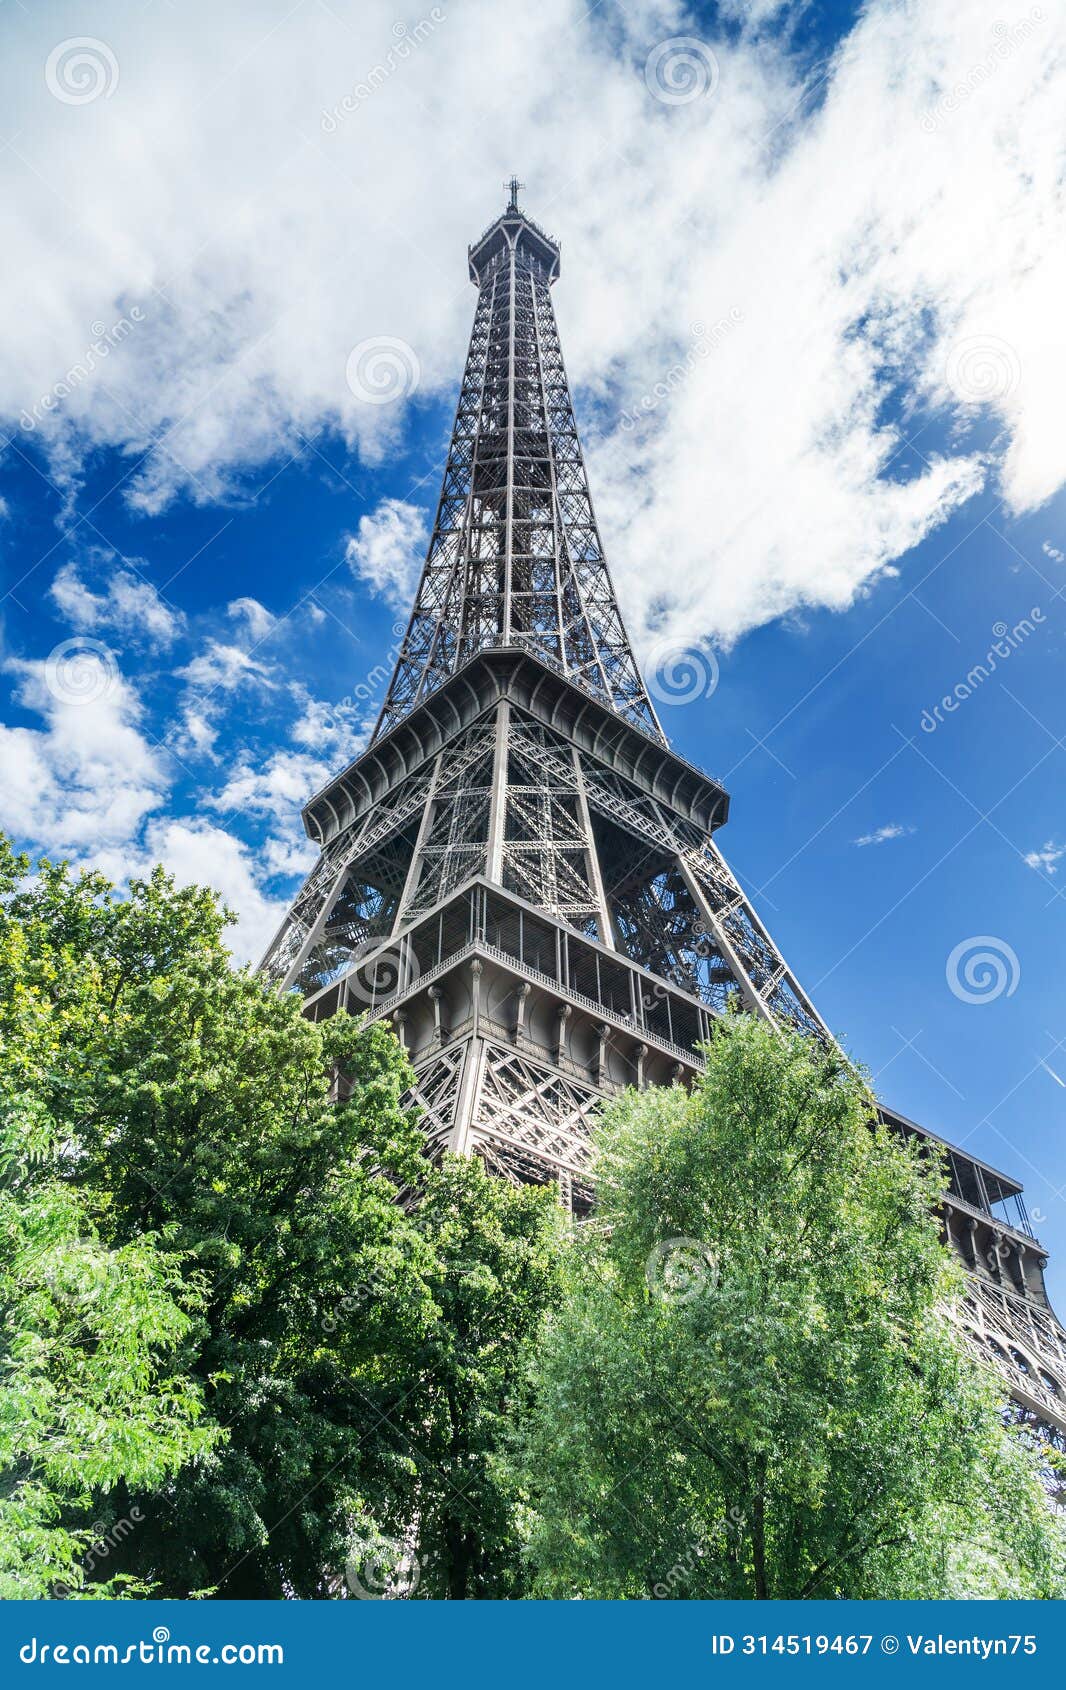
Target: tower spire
<point>515,557</point>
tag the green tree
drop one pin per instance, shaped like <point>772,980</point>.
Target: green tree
<point>754,1387</point>
<point>494,1273</point>
<point>90,1396</point>
<point>358,1355</point>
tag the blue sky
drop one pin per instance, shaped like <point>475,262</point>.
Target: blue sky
<point>826,288</point>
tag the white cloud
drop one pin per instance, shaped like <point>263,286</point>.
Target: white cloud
<point>199,853</point>
<point>129,604</point>
<point>880,835</point>
<point>89,777</point>
<point>223,668</point>
<point>86,785</point>
<point>255,616</point>
<point>1048,857</point>
<point>339,731</point>
<point>388,550</point>
<point>287,780</point>
<point>1053,552</point>
<point>881,238</point>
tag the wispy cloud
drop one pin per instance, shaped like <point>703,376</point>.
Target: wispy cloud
<point>1048,857</point>
<point>127,602</point>
<point>901,308</point>
<point>881,835</point>
<point>388,548</point>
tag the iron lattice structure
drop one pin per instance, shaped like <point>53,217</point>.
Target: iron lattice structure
<point>519,872</point>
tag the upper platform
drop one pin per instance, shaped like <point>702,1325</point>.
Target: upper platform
<point>546,693</point>
<point>513,232</point>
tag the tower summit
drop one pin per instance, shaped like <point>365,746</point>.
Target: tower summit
<point>522,877</point>
<point>516,558</point>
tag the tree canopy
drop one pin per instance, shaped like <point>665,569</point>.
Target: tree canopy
<point>755,1387</point>
<point>350,1357</point>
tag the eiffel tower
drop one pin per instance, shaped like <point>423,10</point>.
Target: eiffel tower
<point>523,878</point>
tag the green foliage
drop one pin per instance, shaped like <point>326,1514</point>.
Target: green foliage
<point>90,1393</point>
<point>494,1273</point>
<point>754,1387</point>
<point>254,1345</point>
<point>357,1357</point>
